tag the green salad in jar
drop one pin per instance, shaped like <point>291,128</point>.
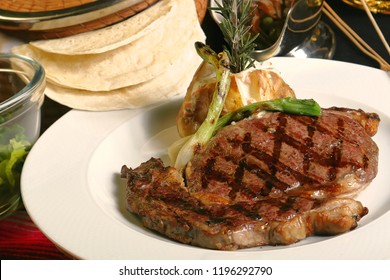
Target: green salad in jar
<point>13,151</point>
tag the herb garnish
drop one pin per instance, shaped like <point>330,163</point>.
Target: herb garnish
<point>235,27</point>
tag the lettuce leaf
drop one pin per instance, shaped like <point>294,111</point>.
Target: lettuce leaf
<point>13,151</point>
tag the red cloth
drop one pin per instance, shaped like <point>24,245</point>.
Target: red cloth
<point>21,239</point>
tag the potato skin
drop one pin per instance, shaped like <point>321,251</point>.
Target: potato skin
<point>259,85</point>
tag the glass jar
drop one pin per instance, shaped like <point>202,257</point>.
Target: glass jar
<point>22,84</point>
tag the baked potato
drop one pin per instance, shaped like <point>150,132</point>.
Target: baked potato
<point>252,85</point>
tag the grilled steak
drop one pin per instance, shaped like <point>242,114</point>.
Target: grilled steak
<point>269,180</point>
<point>329,156</point>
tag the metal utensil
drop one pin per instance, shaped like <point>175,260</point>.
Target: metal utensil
<point>302,35</point>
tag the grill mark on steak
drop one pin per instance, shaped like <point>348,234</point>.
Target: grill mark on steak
<point>273,161</point>
<point>171,210</point>
<point>263,181</point>
<point>307,153</point>
<point>322,156</point>
<point>336,153</point>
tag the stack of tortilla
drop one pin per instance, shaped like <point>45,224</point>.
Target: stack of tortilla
<point>145,59</point>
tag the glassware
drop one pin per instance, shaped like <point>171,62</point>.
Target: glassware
<point>301,34</point>
<point>22,84</point>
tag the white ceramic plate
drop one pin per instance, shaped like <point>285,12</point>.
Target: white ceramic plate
<point>72,189</point>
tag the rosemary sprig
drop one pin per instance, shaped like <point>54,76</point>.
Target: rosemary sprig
<point>235,27</point>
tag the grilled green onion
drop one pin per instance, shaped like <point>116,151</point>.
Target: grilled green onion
<point>307,107</point>
<point>220,62</point>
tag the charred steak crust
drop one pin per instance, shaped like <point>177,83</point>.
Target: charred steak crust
<point>158,195</point>
<point>270,180</point>
<point>324,157</point>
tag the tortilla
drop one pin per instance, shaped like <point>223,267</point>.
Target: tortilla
<point>115,36</point>
<point>152,68</point>
<point>172,82</point>
<point>131,64</point>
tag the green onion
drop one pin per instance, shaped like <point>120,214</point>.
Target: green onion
<point>220,62</point>
<point>182,151</point>
<point>307,107</point>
